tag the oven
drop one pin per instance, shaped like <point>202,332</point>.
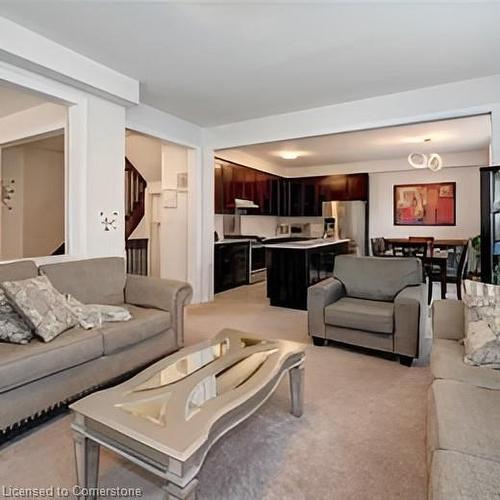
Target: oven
<point>257,261</point>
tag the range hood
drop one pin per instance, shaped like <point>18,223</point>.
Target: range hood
<point>239,203</point>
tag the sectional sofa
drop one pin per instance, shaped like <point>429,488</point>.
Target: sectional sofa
<point>38,377</point>
<point>463,423</point>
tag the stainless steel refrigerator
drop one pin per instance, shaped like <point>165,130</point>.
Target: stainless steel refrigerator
<point>350,223</point>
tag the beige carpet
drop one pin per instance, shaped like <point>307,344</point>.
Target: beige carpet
<point>362,435</point>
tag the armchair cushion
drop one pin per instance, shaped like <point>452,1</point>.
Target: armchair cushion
<point>360,314</point>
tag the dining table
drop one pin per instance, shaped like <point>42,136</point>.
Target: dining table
<point>438,257</point>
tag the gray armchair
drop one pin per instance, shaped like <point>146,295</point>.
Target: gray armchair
<point>378,303</point>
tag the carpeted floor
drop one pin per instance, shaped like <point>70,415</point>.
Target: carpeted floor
<point>362,435</point>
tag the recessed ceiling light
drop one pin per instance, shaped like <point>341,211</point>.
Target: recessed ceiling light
<point>289,155</point>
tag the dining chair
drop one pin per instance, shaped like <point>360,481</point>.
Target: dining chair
<point>457,269</point>
<point>379,247</point>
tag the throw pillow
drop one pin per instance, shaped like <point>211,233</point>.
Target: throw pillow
<point>43,307</point>
<point>482,302</point>
<point>482,346</point>
<point>13,328</point>
<point>94,315</point>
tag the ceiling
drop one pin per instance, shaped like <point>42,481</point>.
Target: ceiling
<point>13,100</point>
<point>214,63</point>
<point>447,136</point>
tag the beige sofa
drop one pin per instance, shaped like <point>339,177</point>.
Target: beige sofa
<point>463,423</point>
<point>39,377</point>
<point>372,302</point>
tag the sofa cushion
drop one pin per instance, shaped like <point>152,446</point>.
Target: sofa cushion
<point>20,364</point>
<point>92,281</point>
<point>16,271</point>
<point>447,362</point>
<point>466,419</point>
<point>463,477</point>
<point>146,323</point>
<point>377,278</point>
<point>359,314</point>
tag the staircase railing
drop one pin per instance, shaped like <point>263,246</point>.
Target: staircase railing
<point>135,192</point>
<point>137,256</point>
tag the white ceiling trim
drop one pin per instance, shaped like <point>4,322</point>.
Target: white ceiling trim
<point>36,53</point>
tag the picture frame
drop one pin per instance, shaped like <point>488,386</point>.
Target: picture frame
<point>425,204</point>
<point>170,198</point>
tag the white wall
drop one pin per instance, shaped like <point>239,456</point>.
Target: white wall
<point>105,177</point>
<point>467,197</point>
<point>35,225</point>
<point>43,197</point>
<point>174,221</point>
<point>145,154</point>
<point>12,220</point>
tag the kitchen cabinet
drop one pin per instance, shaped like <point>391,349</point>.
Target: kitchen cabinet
<point>286,197</point>
<point>231,265</point>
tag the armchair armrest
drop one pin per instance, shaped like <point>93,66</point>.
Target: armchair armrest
<point>319,296</point>
<point>167,295</point>
<point>448,319</point>
<point>410,309</point>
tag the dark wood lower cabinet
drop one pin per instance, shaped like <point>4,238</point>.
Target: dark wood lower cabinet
<point>231,265</point>
<point>291,271</point>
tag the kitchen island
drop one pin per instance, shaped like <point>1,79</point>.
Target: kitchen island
<point>293,266</point>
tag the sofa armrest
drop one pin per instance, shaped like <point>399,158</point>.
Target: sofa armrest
<point>319,296</point>
<point>156,293</point>
<point>448,319</point>
<point>410,308</point>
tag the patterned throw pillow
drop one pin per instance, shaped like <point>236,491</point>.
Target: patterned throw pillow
<point>41,305</point>
<point>482,324</point>
<point>13,328</point>
<point>482,346</point>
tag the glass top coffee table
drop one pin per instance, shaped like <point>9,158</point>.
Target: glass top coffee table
<point>167,417</point>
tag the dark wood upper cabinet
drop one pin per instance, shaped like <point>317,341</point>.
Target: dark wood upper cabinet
<point>357,187</point>
<point>296,197</point>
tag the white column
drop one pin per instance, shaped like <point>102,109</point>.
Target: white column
<point>207,225</point>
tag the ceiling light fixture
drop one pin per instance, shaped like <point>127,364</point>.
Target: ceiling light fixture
<point>433,162</point>
<point>289,155</point>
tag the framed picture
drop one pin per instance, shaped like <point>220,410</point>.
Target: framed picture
<point>170,198</point>
<point>425,204</point>
<point>182,181</point>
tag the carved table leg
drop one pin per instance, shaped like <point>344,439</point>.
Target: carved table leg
<point>87,463</point>
<point>174,492</point>
<point>296,375</point>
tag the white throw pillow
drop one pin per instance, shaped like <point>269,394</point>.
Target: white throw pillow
<point>482,346</point>
<point>94,315</point>
<point>482,324</point>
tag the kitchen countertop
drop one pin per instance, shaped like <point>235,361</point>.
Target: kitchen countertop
<point>306,245</point>
<point>231,241</point>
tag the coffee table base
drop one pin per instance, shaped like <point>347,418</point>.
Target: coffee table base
<point>87,445</point>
